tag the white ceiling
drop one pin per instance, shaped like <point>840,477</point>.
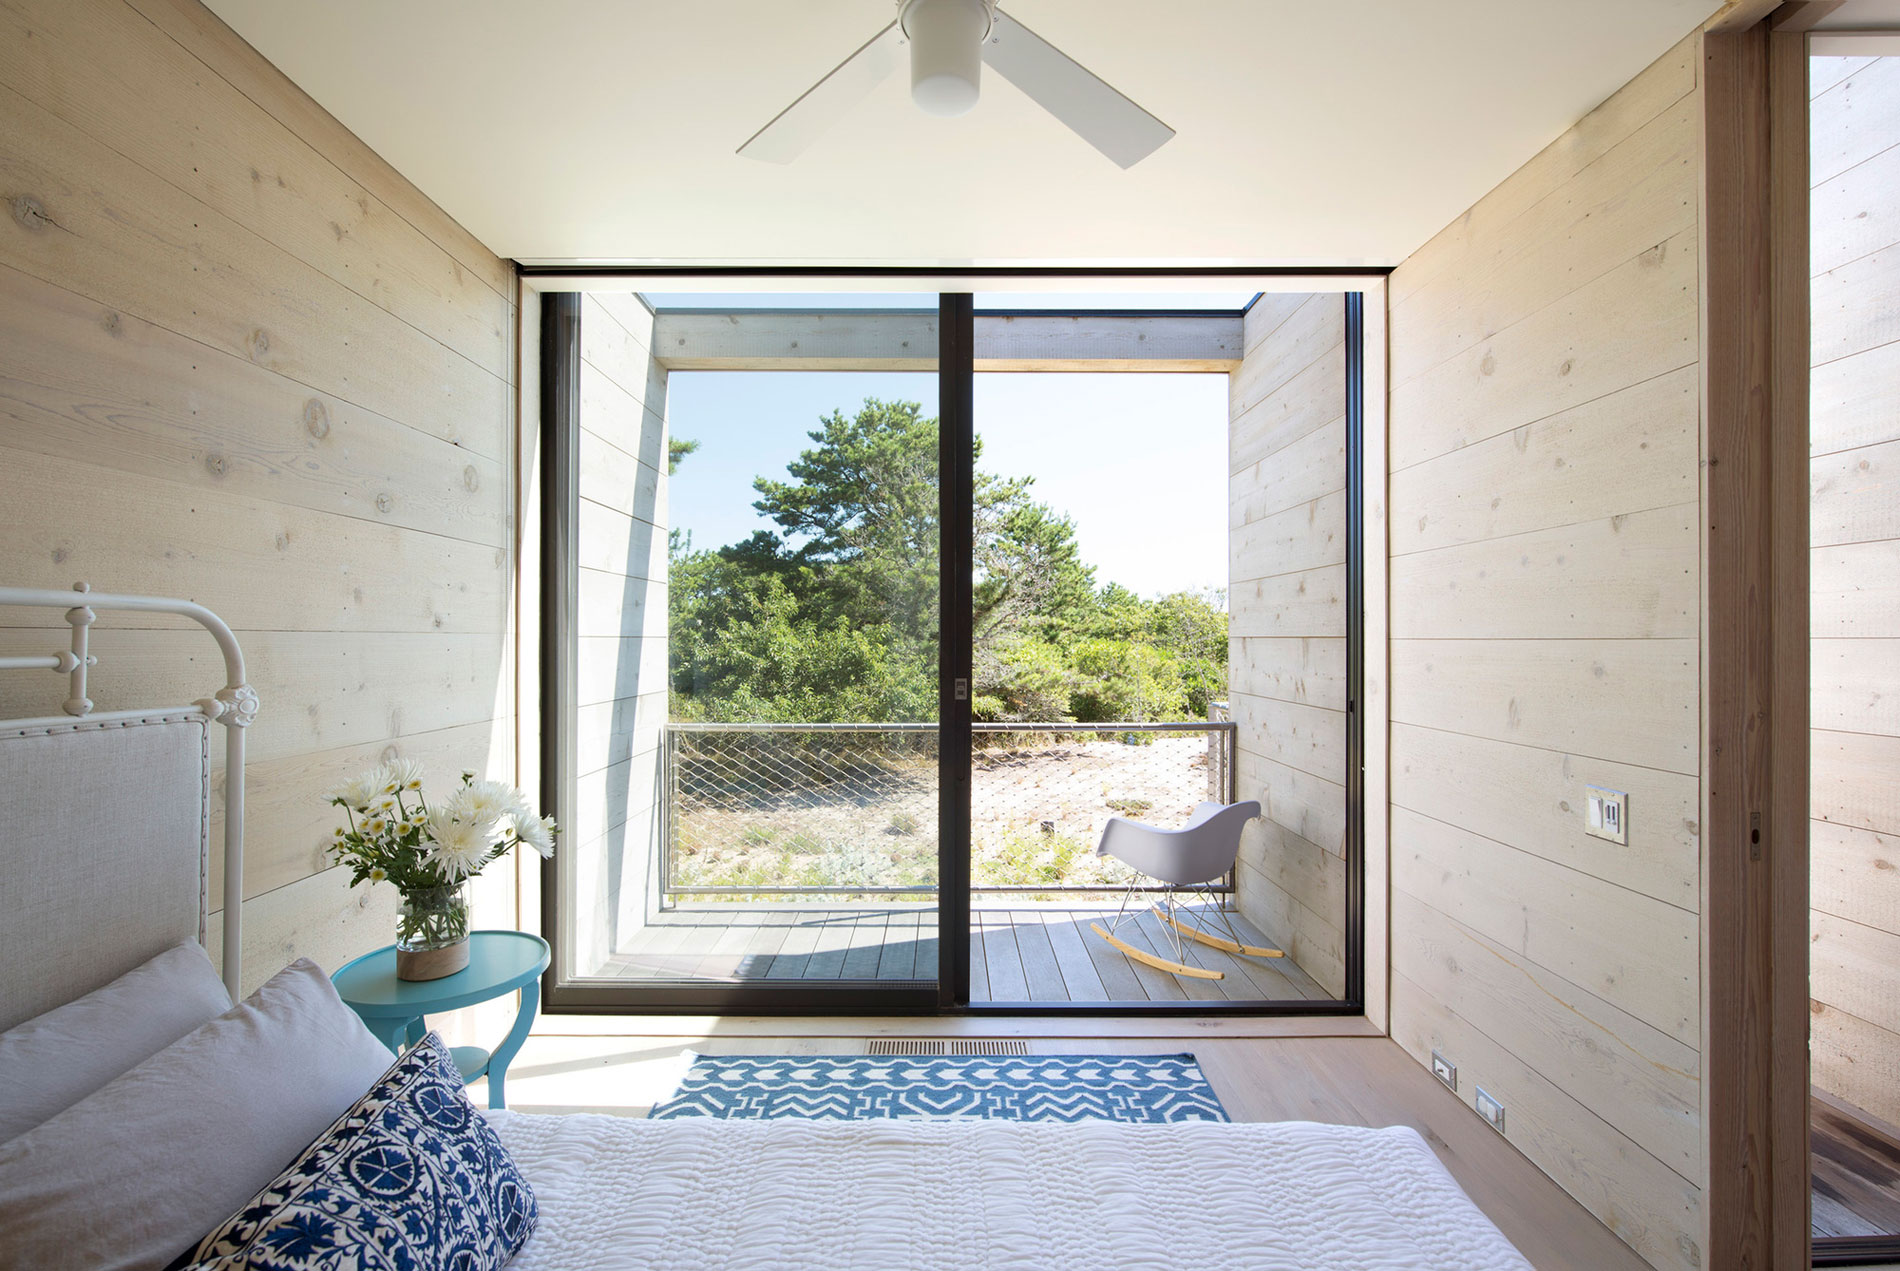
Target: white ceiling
<point>1328,131</point>
<point>1862,15</point>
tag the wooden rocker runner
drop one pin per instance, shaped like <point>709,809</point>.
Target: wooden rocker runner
<point>1186,862</point>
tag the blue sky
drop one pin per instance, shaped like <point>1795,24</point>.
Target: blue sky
<point>1137,460</point>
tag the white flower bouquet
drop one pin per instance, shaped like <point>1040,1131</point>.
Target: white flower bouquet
<point>394,834</point>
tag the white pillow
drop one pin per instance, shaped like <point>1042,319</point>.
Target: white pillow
<point>52,1061</point>
<point>139,1171</point>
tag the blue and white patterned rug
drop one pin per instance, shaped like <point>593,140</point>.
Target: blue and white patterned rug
<point>1024,1088</point>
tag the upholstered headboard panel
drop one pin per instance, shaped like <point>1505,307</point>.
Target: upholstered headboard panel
<point>104,838</point>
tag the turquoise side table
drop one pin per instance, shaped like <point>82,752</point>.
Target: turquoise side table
<point>498,962</point>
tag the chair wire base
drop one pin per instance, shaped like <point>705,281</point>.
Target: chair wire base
<point>1182,936</point>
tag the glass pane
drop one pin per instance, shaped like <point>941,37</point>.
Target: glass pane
<point>783,736</point>
<point>1160,623</point>
<point>1854,427</point>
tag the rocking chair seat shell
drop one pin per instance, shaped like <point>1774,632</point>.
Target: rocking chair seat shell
<point>1201,851</point>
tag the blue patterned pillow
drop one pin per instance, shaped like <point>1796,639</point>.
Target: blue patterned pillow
<point>409,1179</point>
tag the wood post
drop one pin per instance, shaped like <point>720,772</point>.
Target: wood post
<point>1754,649</point>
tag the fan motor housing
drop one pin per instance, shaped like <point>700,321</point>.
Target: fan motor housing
<point>946,51</point>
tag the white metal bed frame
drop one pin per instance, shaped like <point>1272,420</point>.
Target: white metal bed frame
<point>234,706</point>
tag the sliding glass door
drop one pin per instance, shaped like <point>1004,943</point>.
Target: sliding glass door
<point>866,614</point>
<point>752,656</point>
<point>1854,540</point>
<point>1160,622</point>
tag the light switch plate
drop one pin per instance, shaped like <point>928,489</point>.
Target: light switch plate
<point>1445,1070</point>
<point>1606,814</point>
<point>1490,1109</point>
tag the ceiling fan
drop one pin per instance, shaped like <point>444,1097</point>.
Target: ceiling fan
<point>949,42</point>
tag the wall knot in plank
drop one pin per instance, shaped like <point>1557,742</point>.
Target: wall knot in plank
<point>30,213</point>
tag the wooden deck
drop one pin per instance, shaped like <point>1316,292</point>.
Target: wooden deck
<point>1041,953</point>
<point>1856,1173</point>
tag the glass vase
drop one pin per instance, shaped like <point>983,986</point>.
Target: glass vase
<point>432,932</point>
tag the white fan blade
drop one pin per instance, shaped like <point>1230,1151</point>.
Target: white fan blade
<point>1066,89</point>
<point>825,103</point>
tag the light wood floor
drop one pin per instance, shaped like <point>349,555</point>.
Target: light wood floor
<point>573,1063</point>
<point>1041,953</point>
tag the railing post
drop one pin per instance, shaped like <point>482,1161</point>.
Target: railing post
<point>669,811</point>
<point>1229,760</point>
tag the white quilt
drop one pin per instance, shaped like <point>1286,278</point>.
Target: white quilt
<point>786,1195</point>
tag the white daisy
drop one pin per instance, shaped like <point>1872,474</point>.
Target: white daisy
<point>377,874</point>
<point>536,833</point>
<point>375,825</point>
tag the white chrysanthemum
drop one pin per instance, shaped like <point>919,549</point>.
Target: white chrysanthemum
<point>536,833</point>
<point>377,874</point>
<point>374,825</point>
<point>461,807</point>
<point>490,802</point>
<point>360,790</point>
<point>458,848</point>
<point>404,774</point>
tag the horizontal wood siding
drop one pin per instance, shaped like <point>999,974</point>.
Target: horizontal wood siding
<point>620,615</point>
<point>1287,597</point>
<point>245,362</point>
<point>1854,508</point>
<point>1545,634</point>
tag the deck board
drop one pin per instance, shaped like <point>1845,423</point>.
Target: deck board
<point>1192,987</point>
<point>1079,976</point>
<point>794,956</point>
<point>1025,953</point>
<point>1002,958</point>
<point>762,952</point>
<point>898,956</point>
<point>868,936</point>
<point>728,950</point>
<point>1856,1167</point>
<point>979,965</point>
<point>834,941</point>
<point>1117,972</point>
<point>1158,985</point>
<point>926,968</point>
<point>1040,968</point>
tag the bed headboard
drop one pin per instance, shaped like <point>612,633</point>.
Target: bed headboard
<point>105,819</point>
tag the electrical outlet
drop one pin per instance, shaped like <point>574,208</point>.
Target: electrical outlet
<point>1445,1070</point>
<point>1606,814</point>
<point>1490,1109</point>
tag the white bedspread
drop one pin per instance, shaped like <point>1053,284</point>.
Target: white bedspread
<point>785,1195</point>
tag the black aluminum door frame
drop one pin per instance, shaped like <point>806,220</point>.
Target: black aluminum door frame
<point>956,537</point>
<point>560,400</point>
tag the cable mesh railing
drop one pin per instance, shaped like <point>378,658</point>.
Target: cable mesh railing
<point>850,810</point>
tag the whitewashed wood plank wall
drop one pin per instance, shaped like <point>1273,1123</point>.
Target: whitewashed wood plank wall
<point>243,360</point>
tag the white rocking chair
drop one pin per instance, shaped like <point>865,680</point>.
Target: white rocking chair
<point>1186,862</point>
